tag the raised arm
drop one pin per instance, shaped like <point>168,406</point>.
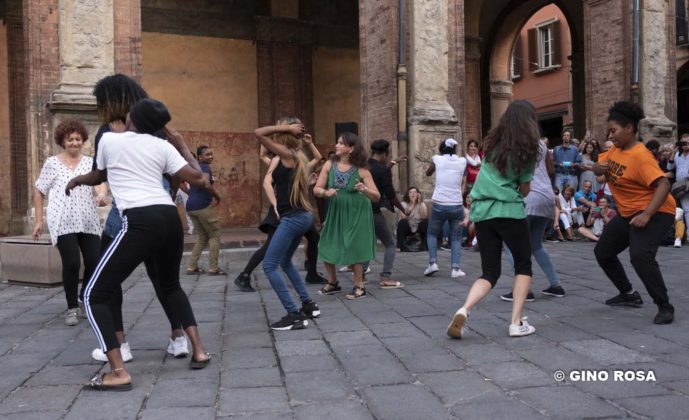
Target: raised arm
<point>263,135</point>
<point>268,185</point>
<point>263,155</point>
<point>314,151</point>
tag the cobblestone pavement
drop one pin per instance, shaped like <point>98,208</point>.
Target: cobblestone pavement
<point>384,357</point>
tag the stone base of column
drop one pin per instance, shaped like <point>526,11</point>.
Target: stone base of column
<point>424,140</point>
<point>659,128</point>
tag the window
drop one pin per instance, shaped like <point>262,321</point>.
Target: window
<point>516,60</point>
<point>544,46</point>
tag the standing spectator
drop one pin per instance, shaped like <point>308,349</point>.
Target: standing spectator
<point>566,158</point>
<point>382,177</point>
<point>681,169</point>
<point>646,212</point>
<point>497,208</point>
<point>473,164</point>
<point>348,235</point>
<point>72,219</point>
<point>607,192</point>
<point>201,209</point>
<point>450,179</point>
<point>589,156</point>
<point>414,218</point>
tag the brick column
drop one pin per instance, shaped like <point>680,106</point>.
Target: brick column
<point>472,106</point>
<point>431,117</point>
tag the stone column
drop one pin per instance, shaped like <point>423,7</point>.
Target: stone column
<point>500,99</point>
<point>431,118</point>
<point>86,49</point>
<point>656,69</point>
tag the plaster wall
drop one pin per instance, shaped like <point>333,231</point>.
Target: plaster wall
<point>336,91</point>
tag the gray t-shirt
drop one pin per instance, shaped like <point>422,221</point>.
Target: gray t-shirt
<point>541,199</point>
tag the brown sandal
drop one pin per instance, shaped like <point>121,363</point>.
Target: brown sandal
<point>330,288</point>
<point>357,293</point>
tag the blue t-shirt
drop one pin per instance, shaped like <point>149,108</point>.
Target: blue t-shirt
<point>580,194</point>
<point>199,197</point>
<point>565,158</point>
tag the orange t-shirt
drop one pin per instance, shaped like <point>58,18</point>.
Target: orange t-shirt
<point>630,175</point>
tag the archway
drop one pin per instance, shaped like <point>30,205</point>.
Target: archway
<point>499,32</point>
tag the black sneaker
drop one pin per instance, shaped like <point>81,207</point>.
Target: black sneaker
<point>291,321</point>
<point>666,314</point>
<point>508,297</point>
<point>316,279</point>
<point>556,291</point>
<point>626,299</point>
<point>243,282</point>
<point>311,309</point>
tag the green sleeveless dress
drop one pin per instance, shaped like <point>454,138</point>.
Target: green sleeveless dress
<point>348,235</point>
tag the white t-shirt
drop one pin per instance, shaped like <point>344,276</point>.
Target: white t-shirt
<point>449,171</point>
<point>135,163</point>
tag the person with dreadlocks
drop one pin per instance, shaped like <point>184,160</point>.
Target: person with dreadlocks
<point>497,209</point>
<point>286,183</point>
<point>115,95</point>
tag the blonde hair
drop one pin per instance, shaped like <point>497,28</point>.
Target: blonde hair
<point>300,176</point>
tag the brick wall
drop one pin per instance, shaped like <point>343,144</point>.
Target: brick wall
<point>607,63</point>
<point>127,37</point>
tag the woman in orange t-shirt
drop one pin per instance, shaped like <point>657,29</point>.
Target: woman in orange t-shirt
<point>646,212</point>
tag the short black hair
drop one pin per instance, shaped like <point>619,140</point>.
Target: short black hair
<point>653,145</point>
<point>380,146</point>
<point>625,113</point>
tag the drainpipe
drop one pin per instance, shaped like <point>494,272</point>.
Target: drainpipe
<point>636,27</point>
<point>402,137</point>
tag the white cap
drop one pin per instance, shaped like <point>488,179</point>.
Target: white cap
<point>450,142</point>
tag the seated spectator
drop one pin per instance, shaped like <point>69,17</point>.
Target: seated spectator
<point>667,163</point>
<point>597,219</point>
<point>414,220</point>
<point>585,201</point>
<point>568,210</point>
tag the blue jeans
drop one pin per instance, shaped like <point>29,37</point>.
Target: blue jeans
<point>537,227</point>
<point>565,179</point>
<point>439,214</point>
<point>279,255</point>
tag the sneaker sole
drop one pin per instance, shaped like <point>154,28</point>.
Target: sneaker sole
<point>553,294</point>
<point>291,327</point>
<point>628,304</point>
<point>314,314</point>
<point>511,300</point>
<point>454,330</point>
<point>522,335</point>
<point>430,274</point>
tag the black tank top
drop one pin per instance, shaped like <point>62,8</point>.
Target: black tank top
<point>283,180</point>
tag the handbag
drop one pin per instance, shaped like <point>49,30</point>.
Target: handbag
<point>680,188</point>
<point>412,243</point>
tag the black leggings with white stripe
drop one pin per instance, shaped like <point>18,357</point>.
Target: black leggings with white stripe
<point>152,233</point>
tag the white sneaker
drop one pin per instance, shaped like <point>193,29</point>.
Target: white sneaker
<point>345,269</point>
<point>178,347</point>
<point>431,269</point>
<point>97,354</point>
<point>521,330</point>
<point>678,242</point>
<point>456,272</point>
<point>456,327</point>
<point>72,317</point>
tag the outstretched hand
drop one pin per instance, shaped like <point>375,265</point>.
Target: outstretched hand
<point>72,184</point>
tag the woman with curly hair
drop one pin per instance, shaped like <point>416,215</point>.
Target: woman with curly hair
<point>498,211</point>
<point>645,210</point>
<point>72,220</point>
<point>348,236</point>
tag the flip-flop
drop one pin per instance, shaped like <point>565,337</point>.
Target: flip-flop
<point>196,364</point>
<point>392,285</point>
<point>195,272</point>
<point>216,272</point>
<point>96,384</point>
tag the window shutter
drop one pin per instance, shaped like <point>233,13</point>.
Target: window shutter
<point>533,49</point>
<point>517,58</point>
<point>557,48</point>
<point>681,27</point>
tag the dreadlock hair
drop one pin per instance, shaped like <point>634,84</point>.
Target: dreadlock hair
<point>300,176</point>
<point>115,95</point>
<point>513,143</point>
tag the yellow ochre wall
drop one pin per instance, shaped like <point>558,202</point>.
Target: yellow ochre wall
<point>336,90</point>
<point>209,84</point>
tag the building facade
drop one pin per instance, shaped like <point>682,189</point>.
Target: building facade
<point>411,71</point>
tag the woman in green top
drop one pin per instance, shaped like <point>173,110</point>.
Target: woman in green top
<point>497,209</point>
<point>348,236</point>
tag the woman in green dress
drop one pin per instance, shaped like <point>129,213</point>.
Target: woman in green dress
<point>348,236</point>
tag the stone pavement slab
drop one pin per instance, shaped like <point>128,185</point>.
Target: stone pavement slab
<point>382,357</point>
